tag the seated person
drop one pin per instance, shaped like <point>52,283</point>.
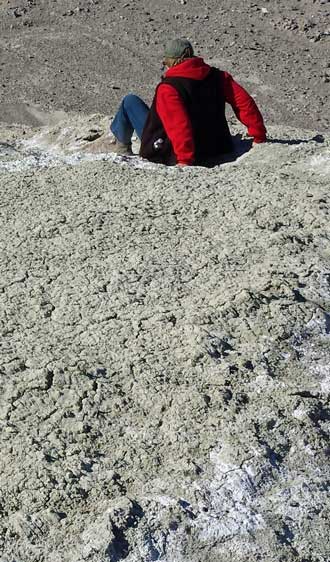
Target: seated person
<point>186,124</point>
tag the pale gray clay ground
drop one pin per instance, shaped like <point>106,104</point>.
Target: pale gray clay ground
<point>165,332</point>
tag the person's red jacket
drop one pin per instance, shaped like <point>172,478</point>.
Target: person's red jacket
<point>172,112</point>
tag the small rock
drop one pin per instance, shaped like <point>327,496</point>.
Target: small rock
<point>92,135</point>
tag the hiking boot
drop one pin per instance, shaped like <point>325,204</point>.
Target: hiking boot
<point>122,149</point>
<point>106,144</point>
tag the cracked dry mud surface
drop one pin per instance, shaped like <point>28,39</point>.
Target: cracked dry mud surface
<point>165,359</point>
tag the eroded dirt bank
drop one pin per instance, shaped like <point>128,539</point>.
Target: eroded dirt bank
<point>165,344</point>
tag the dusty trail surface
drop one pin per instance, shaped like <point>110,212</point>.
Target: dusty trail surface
<point>164,375</point>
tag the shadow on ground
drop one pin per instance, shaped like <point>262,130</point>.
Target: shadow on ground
<point>241,147</point>
<point>316,138</point>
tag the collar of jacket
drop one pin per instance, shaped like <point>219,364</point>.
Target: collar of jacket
<point>194,68</point>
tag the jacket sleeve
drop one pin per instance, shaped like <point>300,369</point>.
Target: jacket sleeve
<point>171,110</point>
<point>245,108</point>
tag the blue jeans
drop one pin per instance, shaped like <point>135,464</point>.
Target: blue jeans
<point>131,116</point>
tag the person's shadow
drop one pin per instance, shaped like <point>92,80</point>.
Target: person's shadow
<point>240,147</point>
<point>316,138</point>
<point>243,146</point>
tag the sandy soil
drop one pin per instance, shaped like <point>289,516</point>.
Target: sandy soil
<point>164,375</point>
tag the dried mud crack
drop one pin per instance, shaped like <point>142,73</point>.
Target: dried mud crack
<point>165,359</point>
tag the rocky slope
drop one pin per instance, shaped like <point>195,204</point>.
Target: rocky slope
<point>84,55</point>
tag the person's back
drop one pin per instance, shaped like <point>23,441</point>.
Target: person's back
<point>205,105</point>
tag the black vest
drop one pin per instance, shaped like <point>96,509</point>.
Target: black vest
<point>205,104</point>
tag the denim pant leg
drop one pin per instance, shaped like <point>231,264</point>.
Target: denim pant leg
<point>131,116</point>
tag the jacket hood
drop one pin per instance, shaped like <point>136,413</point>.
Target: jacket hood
<point>194,68</point>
